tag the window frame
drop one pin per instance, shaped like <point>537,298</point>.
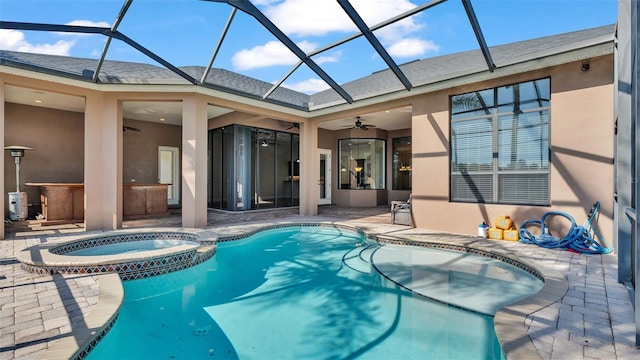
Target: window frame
<point>494,113</point>
<point>381,172</point>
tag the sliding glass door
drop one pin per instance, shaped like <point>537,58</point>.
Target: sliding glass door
<point>252,168</point>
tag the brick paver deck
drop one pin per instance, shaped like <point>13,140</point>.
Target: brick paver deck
<point>593,320</point>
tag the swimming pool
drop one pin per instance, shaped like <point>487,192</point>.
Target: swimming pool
<point>291,293</point>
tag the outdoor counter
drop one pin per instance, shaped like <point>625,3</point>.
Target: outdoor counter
<point>64,202</point>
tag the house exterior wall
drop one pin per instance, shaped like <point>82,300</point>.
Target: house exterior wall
<point>581,142</point>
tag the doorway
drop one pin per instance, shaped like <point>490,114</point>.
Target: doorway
<point>324,182</point>
<point>168,172</point>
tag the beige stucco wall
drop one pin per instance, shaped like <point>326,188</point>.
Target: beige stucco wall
<point>581,143</point>
<point>581,140</point>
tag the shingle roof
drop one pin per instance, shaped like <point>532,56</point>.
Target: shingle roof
<point>419,73</point>
<point>445,67</point>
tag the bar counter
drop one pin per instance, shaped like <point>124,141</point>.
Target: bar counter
<point>64,202</point>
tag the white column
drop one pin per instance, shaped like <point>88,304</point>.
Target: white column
<point>309,169</point>
<point>4,193</point>
<point>194,162</point>
<point>102,163</point>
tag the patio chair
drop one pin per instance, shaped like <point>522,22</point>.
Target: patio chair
<point>401,212</point>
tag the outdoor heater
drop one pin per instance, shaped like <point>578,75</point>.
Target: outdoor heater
<point>17,200</point>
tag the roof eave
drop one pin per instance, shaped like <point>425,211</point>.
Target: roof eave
<point>554,57</point>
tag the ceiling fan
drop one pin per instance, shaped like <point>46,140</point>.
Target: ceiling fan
<point>359,125</point>
<point>130,128</point>
<point>294,125</point>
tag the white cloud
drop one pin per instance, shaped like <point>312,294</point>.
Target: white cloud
<point>84,23</point>
<point>320,17</point>
<point>322,59</point>
<point>89,23</point>
<point>263,2</point>
<point>15,41</point>
<point>312,17</point>
<point>309,86</point>
<point>272,53</point>
<point>411,47</point>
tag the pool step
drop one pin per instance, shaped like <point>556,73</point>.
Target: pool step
<point>359,258</point>
<point>205,248</point>
<point>204,253</point>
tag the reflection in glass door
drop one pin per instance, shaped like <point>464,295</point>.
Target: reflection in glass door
<point>324,182</point>
<point>168,172</point>
<point>252,168</point>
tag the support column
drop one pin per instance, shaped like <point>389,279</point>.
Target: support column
<point>102,162</point>
<point>635,108</point>
<point>194,162</point>
<point>624,158</point>
<point>627,175</point>
<point>309,169</point>
<point>4,169</point>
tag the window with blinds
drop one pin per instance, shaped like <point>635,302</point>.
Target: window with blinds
<point>500,144</point>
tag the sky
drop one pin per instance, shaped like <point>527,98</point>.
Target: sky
<point>186,32</point>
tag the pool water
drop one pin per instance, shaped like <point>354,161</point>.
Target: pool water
<point>289,294</point>
<point>127,247</point>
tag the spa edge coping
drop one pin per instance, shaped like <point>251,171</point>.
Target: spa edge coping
<point>40,254</point>
<point>509,321</point>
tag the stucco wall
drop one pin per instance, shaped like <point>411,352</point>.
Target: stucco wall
<point>58,139</point>
<point>581,141</point>
<point>56,136</point>
<point>140,149</point>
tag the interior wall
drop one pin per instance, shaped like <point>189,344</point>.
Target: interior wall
<point>581,141</point>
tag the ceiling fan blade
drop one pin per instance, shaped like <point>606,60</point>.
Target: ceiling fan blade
<point>125,128</point>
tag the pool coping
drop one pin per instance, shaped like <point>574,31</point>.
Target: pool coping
<point>85,336</point>
<point>52,257</point>
<point>509,321</point>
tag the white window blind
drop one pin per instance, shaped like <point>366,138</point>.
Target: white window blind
<point>501,153</point>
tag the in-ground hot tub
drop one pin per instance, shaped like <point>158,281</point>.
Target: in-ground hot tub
<point>133,254</point>
<point>129,247</point>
